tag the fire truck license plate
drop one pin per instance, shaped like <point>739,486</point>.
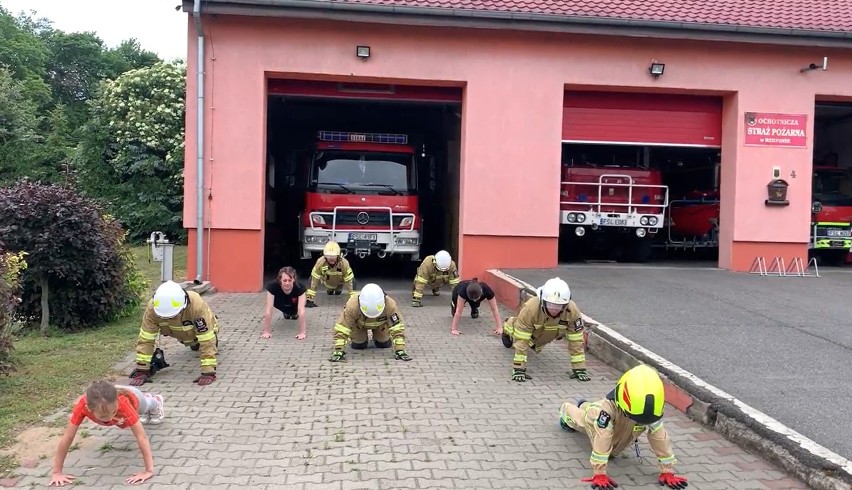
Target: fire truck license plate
<point>613,222</point>
<point>367,237</point>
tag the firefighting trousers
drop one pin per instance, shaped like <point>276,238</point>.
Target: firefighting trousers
<point>421,282</point>
<point>358,335</point>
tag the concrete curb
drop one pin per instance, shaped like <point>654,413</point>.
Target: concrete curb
<point>792,452</point>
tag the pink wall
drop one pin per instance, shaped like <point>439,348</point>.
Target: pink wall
<point>512,116</point>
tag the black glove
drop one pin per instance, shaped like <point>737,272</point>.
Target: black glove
<point>400,355</point>
<point>310,304</point>
<point>520,375</point>
<point>139,377</point>
<point>205,379</point>
<point>337,356</point>
<point>580,374</point>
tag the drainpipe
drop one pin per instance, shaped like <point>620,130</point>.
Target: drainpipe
<point>199,226</point>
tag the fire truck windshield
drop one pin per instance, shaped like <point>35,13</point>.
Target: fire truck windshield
<point>832,187</point>
<point>364,171</point>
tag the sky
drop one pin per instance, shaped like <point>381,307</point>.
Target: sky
<point>154,23</point>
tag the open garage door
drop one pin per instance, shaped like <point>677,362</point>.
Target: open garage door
<point>626,158</point>
<point>373,166</point>
<point>642,119</point>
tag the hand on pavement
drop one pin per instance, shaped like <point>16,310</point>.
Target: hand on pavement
<point>61,479</point>
<point>139,477</point>
<point>455,332</point>
<point>302,336</point>
<point>672,481</point>
<point>265,335</point>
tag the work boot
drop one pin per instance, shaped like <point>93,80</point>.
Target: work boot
<point>474,313</point>
<point>291,317</point>
<point>507,340</point>
<point>436,291</point>
<point>195,346</point>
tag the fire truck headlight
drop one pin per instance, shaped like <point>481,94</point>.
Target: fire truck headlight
<point>406,221</point>
<point>317,219</point>
<point>643,221</point>
<point>572,218</point>
<point>640,232</point>
<point>652,220</point>
<point>581,217</point>
<point>579,231</point>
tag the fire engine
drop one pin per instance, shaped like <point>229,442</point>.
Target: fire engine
<point>693,222</point>
<point>613,204</point>
<point>362,193</point>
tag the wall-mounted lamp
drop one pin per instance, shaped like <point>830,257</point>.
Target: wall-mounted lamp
<point>362,52</point>
<point>656,69</point>
<point>814,66</point>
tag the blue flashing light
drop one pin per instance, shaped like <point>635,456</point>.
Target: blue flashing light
<point>582,198</point>
<point>646,199</point>
<point>346,136</point>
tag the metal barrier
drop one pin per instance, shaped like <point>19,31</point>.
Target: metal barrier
<point>777,267</point>
<point>630,186</point>
<point>365,209</point>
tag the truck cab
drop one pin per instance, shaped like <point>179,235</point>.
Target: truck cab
<point>362,193</point>
<point>615,205</point>
<point>831,214</point>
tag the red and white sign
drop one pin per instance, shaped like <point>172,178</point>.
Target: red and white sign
<point>769,129</point>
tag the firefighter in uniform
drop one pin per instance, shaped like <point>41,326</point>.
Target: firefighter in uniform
<point>547,317</point>
<point>613,423</point>
<point>435,271</point>
<point>185,316</point>
<point>370,309</point>
<point>333,271</point>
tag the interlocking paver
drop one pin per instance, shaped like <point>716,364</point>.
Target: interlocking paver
<point>282,416</point>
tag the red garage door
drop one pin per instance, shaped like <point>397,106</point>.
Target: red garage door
<point>370,91</point>
<point>646,119</point>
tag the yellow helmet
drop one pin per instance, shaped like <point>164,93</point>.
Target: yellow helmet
<point>331,249</point>
<point>640,394</point>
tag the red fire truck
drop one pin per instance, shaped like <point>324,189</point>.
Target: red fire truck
<point>362,193</point>
<point>616,206</point>
<point>693,222</point>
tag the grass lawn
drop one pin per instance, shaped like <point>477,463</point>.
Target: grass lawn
<point>52,371</point>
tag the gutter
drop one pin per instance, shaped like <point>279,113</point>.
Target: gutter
<point>433,16</point>
<point>199,185</point>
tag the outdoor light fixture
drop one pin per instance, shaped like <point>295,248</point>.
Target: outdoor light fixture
<point>814,66</point>
<point>657,69</point>
<point>362,52</point>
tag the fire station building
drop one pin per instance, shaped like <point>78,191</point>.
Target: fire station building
<point>515,81</point>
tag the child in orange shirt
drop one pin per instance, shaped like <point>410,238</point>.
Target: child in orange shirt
<point>110,405</point>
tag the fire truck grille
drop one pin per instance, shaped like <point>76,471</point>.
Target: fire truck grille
<point>374,218</point>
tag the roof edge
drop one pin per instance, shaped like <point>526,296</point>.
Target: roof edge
<point>444,17</point>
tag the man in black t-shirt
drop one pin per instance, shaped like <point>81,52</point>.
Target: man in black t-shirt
<point>288,296</point>
<point>474,292</point>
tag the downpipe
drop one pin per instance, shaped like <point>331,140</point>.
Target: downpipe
<point>199,186</point>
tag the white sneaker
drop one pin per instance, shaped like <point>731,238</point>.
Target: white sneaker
<point>143,418</point>
<point>156,415</point>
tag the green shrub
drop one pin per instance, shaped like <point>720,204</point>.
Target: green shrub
<point>75,250</point>
<point>11,265</point>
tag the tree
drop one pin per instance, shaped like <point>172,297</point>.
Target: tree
<point>11,265</point>
<point>132,153</point>
<point>79,272</point>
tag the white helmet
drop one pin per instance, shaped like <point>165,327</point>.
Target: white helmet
<point>555,291</point>
<point>443,260</point>
<point>169,300</point>
<point>372,300</point>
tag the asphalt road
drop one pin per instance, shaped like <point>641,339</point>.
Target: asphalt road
<point>782,345</point>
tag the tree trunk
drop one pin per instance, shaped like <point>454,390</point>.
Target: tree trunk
<point>45,309</point>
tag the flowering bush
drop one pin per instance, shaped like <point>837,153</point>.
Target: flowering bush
<point>11,265</point>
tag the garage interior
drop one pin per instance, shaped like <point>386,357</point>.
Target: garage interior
<point>832,179</point>
<point>298,110</point>
<point>651,140</point>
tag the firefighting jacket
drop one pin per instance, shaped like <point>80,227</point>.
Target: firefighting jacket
<point>331,276</point>
<point>195,324</point>
<point>428,274</point>
<point>533,327</point>
<point>352,318</point>
<point>611,431</point>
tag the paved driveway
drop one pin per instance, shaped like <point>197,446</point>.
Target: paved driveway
<point>780,344</point>
<point>282,416</point>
